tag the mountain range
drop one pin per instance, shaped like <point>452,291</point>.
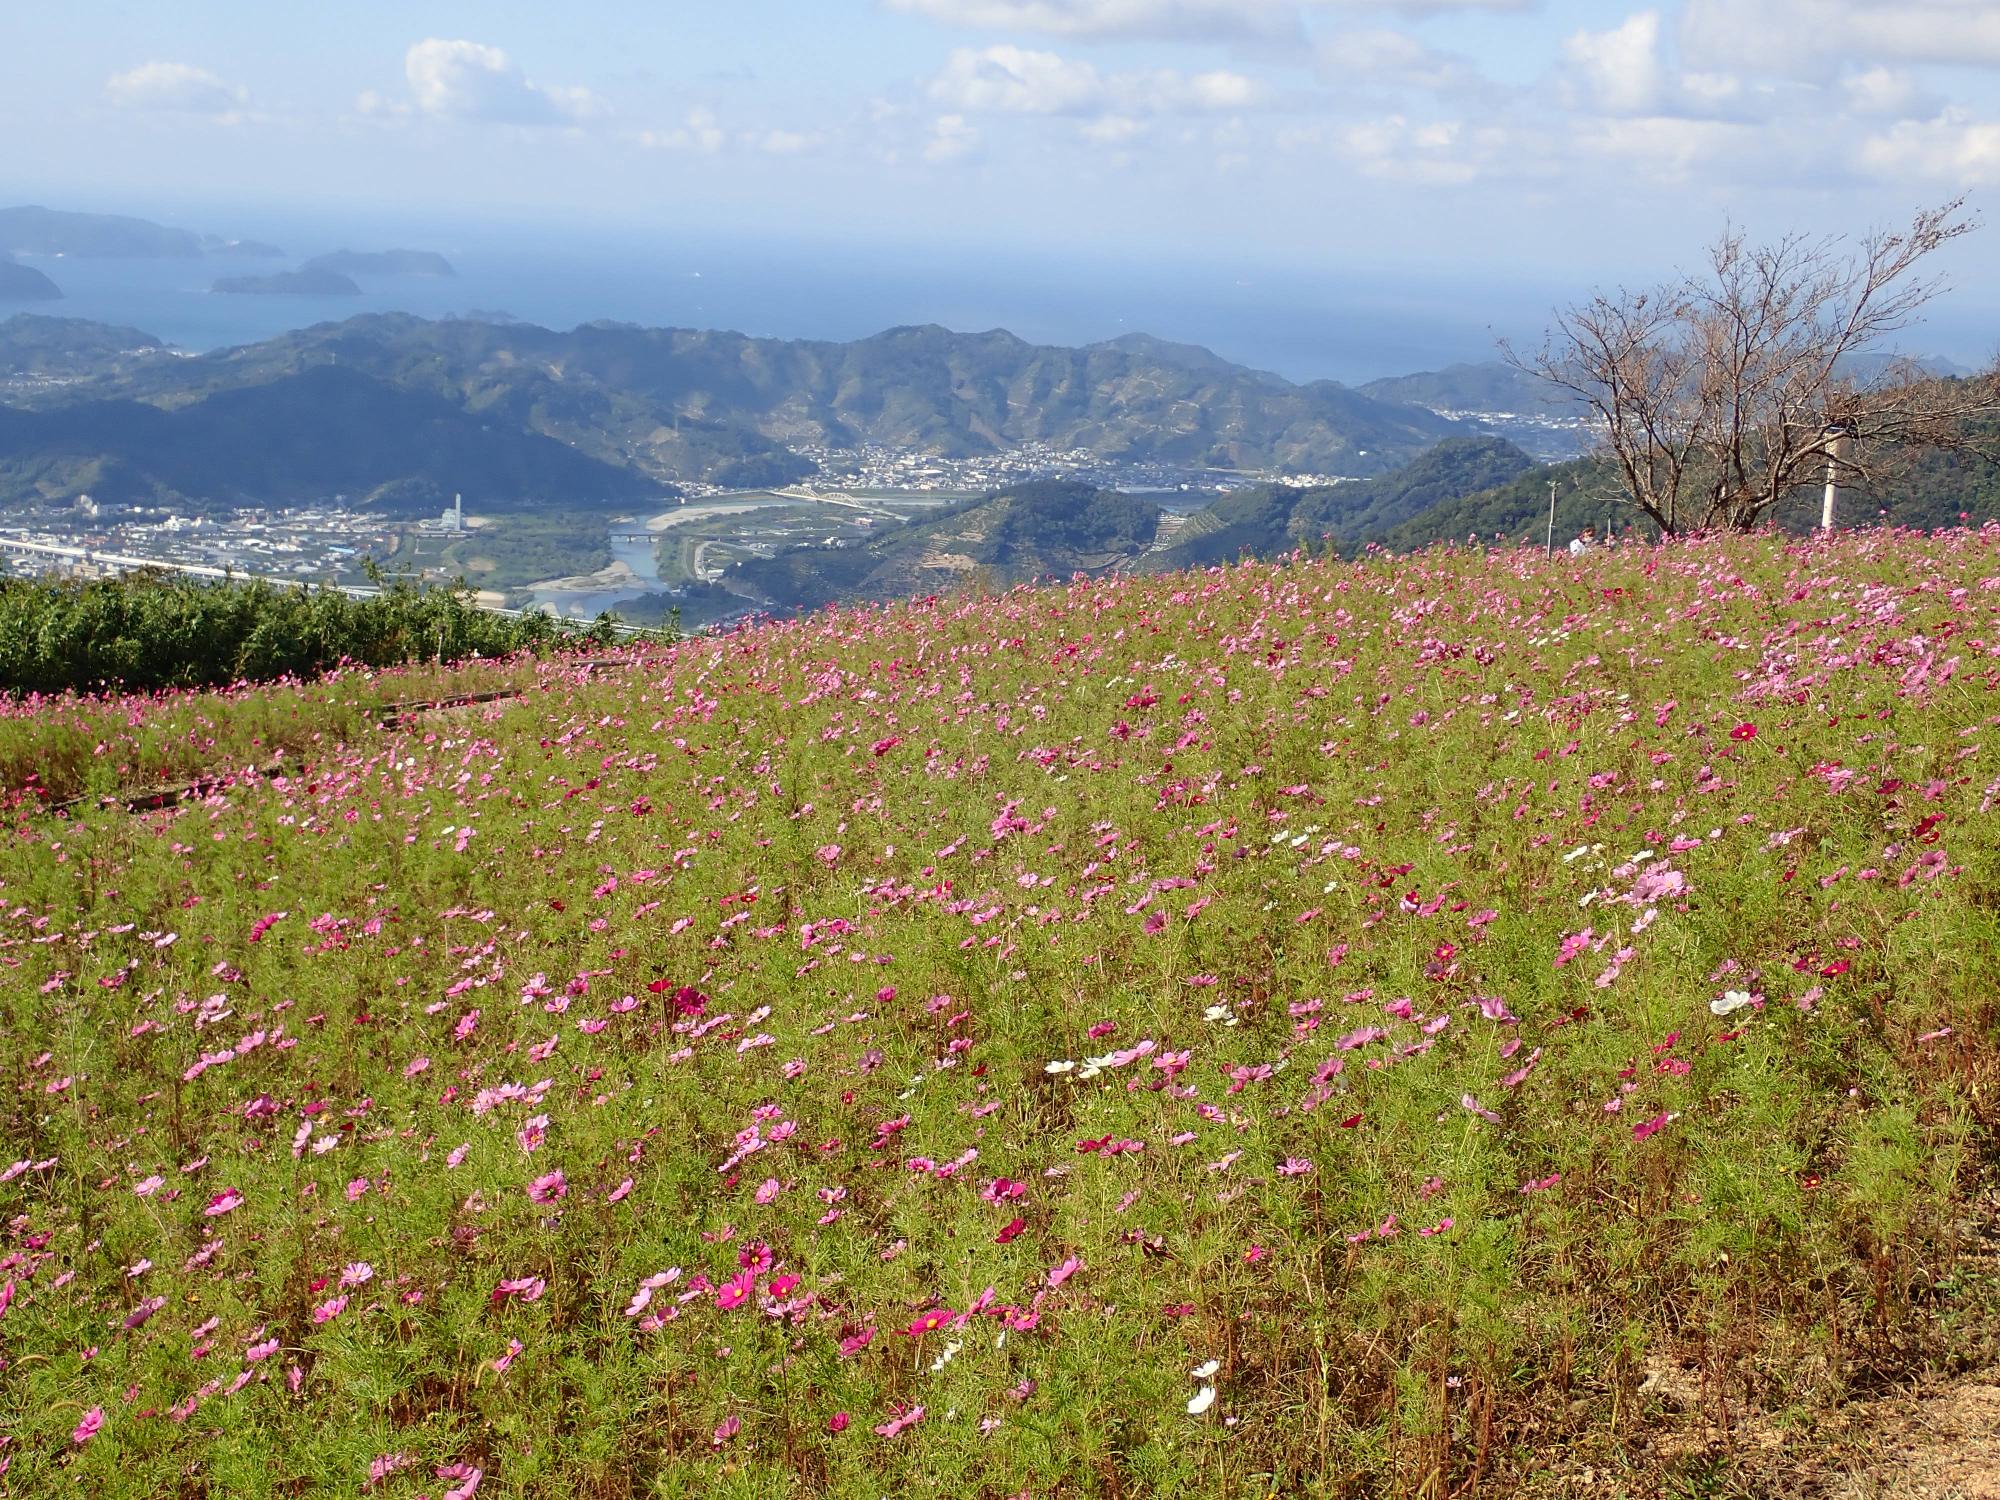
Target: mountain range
<point>654,406</point>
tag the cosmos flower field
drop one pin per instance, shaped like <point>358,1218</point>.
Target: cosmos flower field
<point>1432,1026</point>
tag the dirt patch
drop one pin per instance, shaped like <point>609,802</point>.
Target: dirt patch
<point>1939,1445</point>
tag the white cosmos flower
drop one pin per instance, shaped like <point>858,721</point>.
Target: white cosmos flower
<point>1201,1401</point>
<point>1059,1067</point>
<point>1731,1000</point>
<point>1205,1369</point>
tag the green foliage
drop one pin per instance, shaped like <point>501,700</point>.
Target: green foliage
<point>146,632</point>
<point>512,551</point>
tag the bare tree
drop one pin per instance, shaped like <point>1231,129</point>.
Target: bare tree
<point>1718,396</point>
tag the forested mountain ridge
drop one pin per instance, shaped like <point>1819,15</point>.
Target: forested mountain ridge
<point>682,403</point>
<point>321,433</point>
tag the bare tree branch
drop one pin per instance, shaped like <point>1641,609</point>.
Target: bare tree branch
<point>1720,396</point>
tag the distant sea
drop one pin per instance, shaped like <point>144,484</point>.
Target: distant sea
<point>1330,322</point>
<point>1303,325</point>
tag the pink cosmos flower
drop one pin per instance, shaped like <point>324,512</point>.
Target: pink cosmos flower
<point>930,1322</point>
<point>619,1193</point>
<point>736,1291</point>
<point>901,1420</point>
<point>87,1428</point>
<point>727,1429</point>
<point>548,1187</point>
<point>838,1422</point>
<point>381,1468</point>
<point>330,1309</point>
<point>223,1202</point>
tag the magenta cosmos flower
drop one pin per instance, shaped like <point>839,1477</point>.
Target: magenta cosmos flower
<point>548,1188</point>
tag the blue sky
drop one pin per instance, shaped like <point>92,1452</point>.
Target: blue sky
<point>1561,139</point>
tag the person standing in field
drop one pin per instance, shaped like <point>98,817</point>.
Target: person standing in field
<point>1583,541</point>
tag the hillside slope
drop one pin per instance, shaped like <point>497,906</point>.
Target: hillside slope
<point>307,437</point>
<point>1050,529</point>
<point>1380,1031</point>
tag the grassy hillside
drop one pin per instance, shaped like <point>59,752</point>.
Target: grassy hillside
<point>1429,1027</point>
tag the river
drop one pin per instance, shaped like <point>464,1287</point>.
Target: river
<point>589,603</point>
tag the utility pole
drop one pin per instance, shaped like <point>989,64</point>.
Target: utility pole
<point>1838,436</point>
<point>1552,520</point>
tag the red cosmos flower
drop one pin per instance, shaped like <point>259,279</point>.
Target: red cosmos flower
<point>1744,732</point>
<point>1013,1229</point>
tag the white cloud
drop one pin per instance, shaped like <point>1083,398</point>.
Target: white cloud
<point>1431,153</point>
<point>1015,80</point>
<point>1621,67</point>
<point>701,132</point>
<point>1890,92</point>
<point>176,88</point>
<point>783,142</point>
<point>1099,19</point>
<point>952,139</point>
<point>1626,73</point>
<point>1666,147</point>
<point>1395,58</point>
<point>1953,149</point>
<point>1810,37</point>
<point>461,80</point>
<point>1182,20</point>
<point>1113,130</point>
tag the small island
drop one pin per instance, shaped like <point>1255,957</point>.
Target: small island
<point>309,281</point>
<point>19,283</point>
<point>382,263</point>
